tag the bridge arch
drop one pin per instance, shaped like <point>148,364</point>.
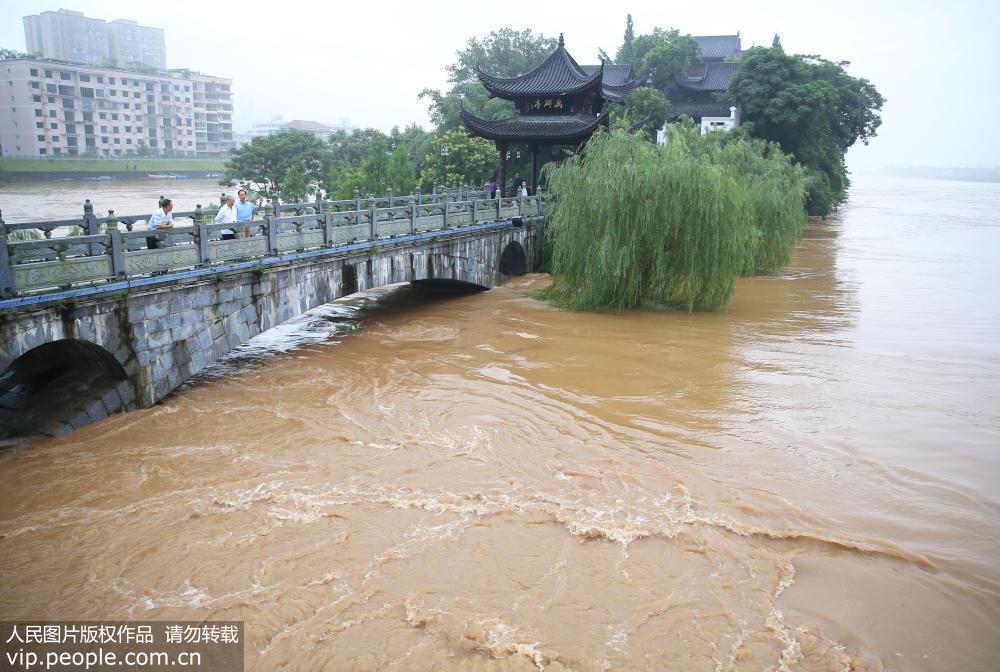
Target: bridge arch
<point>513,260</point>
<point>59,386</point>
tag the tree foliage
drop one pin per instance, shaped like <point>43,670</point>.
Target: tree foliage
<point>8,54</point>
<point>813,109</point>
<point>264,162</point>
<point>469,161</point>
<point>645,109</point>
<point>660,56</point>
<point>640,225</point>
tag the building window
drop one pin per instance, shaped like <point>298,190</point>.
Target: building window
<point>51,88</point>
<point>104,129</point>
<point>48,74</point>
<point>53,125</point>
<point>41,151</point>
<point>118,141</point>
<point>52,113</point>
<point>66,76</point>
<point>55,138</point>
<point>111,80</point>
<point>39,124</point>
<point>103,115</point>
<point>114,116</point>
<point>41,138</point>
<point>36,85</point>
<point>71,129</point>
<point>113,93</point>
<point>34,72</point>
<point>84,78</point>
<point>100,79</point>
<point>36,99</point>
<point>128,141</point>
<point>104,139</point>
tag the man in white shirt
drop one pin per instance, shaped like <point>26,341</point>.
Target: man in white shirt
<point>227,215</point>
<point>161,220</point>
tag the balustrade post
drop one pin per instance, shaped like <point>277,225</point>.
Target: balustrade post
<point>499,204</point>
<point>475,212</point>
<point>117,253</point>
<point>374,213</point>
<point>222,198</point>
<point>327,228</point>
<point>357,200</point>
<point>276,204</point>
<point>319,203</point>
<point>444,209</point>
<point>272,231</point>
<point>418,196</point>
<point>6,273</point>
<point>201,236</point>
<point>413,214</point>
<point>388,196</point>
<point>90,228</point>
<point>112,225</point>
<point>520,206</point>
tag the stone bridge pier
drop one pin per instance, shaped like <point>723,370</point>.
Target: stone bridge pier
<point>72,361</point>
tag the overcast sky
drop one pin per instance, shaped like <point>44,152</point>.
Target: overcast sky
<point>366,61</point>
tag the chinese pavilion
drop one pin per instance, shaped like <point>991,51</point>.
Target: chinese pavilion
<point>558,103</point>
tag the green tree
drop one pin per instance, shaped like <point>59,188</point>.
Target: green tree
<point>8,54</point>
<point>661,56</point>
<point>469,160</point>
<point>813,109</point>
<point>625,51</point>
<point>645,109</point>
<point>294,188</point>
<point>341,181</point>
<point>264,162</point>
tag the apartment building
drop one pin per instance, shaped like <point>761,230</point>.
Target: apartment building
<point>212,98</point>
<point>54,108</point>
<point>130,44</point>
<point>70,36</point>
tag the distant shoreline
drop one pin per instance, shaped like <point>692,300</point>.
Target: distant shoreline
<point>134,169</point>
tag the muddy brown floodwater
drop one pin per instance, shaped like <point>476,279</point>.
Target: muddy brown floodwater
<point>806,481</point>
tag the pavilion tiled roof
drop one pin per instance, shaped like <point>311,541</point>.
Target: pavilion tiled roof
<point>617,81</point>
<point>305,125</point>
<point>715,77</point>
<point>697,110</point>
<point>557,75</point>
<point>560,75</point>
<point>534,128</point>
<point>718,46</point>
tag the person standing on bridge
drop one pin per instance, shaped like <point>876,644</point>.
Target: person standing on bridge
<point>161,220</point>
<point>227,215</point>
<point>244,210</point>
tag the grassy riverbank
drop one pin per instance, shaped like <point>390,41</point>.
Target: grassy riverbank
<point>109,166</point>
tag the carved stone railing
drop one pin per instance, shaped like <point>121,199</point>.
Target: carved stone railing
<point>94,250</point>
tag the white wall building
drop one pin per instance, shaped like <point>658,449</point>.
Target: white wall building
<point>52,108</point>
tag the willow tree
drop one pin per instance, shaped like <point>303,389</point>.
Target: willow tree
<point>639,225</point>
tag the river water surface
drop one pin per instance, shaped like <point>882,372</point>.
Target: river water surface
<point>399,481</point>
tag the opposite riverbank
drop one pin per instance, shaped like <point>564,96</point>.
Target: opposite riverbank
<point>62,169</point>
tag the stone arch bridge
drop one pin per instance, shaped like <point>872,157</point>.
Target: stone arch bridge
<point>96,324</point>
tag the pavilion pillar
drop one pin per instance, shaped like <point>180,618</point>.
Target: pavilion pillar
<point>502,168</point>
<point>534,170</point>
